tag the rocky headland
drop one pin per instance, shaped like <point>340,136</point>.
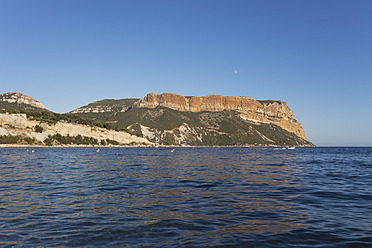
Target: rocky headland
<point>197,120</point>
<point>276,112</point>
<point>166,119</point>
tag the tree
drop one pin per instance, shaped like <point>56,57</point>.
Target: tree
<point>39,129</point>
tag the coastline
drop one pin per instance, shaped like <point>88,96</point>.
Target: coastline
<point>133,146</point>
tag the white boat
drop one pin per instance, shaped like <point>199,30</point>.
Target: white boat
<point>289,148</point>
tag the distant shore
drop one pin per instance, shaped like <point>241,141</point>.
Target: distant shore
<point>128,146</point>
<point>67,146</point>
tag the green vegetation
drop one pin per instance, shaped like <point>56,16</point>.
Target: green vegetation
<point>44,120</point>
<point>47,116</point>
<point>159,118</point>
<point>68,140</point>
<point>112,142</point>
<point>58,139</point>
<point>39,129</point>
<point>15,108</point>
<point>269,101</point>
<point>10,139</point>
<point>215,128</point>
<point>29,140</point>
<point>113,103</point>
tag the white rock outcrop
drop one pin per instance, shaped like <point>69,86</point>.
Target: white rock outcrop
<point>20,99</point>
<point>18,124</point>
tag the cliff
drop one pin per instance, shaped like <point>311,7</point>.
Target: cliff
<point>20,99</point>
<point>275,112</point>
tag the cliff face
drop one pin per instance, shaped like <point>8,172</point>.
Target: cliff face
<point>20,99</point>
<point>276,112</point>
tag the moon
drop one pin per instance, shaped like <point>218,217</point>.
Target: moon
<point>235,71</point>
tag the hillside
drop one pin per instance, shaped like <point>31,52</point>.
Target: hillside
<point>23,120</point>
<point>16,102</point>
<point>107,105</point>
<point>18,129</point>
<point>172,119</point>
<point>20,98</point>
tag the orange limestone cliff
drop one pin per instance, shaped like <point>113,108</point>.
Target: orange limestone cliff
<point>275,112</point>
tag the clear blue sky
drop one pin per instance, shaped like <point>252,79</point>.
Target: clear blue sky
<point>314,54</point>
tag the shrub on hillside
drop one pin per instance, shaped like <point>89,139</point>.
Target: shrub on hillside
<point>39,129</point>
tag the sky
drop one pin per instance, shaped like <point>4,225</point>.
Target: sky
<point>316,55</point>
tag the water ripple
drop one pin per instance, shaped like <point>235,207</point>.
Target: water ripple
<point>192,197</point>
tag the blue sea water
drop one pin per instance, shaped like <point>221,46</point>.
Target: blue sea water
<point>191,197</point>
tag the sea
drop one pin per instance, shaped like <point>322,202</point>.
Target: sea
<point>186,197</point>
